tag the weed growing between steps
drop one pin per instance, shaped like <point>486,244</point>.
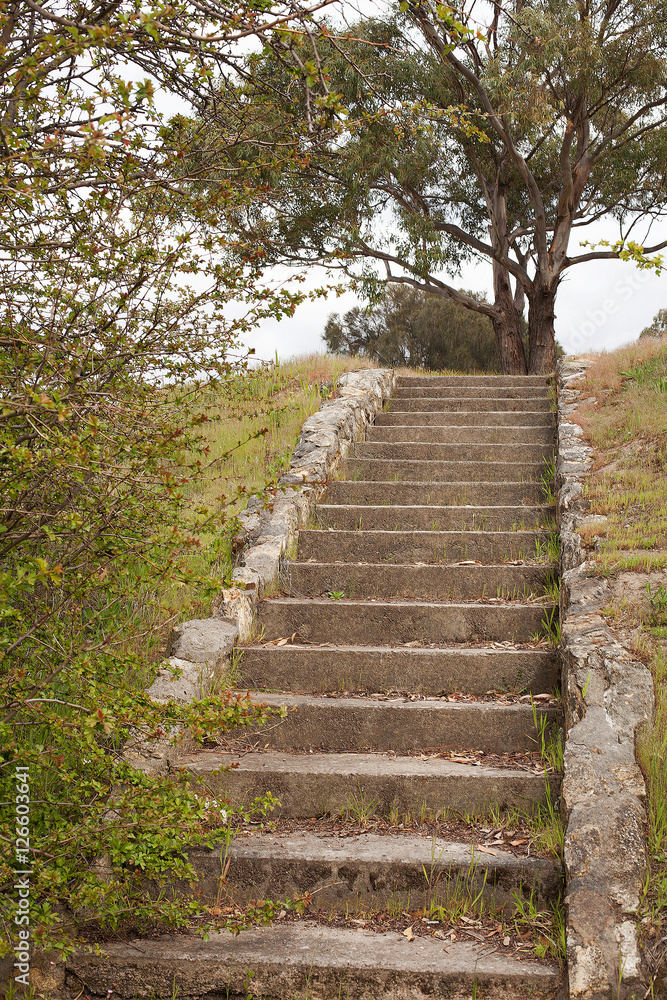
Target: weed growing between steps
<point>458,906</point>
<point>627,542</point>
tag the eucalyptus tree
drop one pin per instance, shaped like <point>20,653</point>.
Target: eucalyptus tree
<point>498,131</point>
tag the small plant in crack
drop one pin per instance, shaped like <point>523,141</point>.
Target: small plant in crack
<point>358,809</point>
<point>547,478</point>
<point>550,629</point>
<point>585,687</point>
<point>549,926</point>
<point>548,739</point>
<point>548,549</point>
<point>552,588</point>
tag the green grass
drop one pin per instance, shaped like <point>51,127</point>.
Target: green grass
<point>251,424</point>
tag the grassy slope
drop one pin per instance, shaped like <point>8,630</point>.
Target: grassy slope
<point>252,425</point>
<point>628,486</point>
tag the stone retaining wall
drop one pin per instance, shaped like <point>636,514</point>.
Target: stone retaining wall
<point>607,694</point>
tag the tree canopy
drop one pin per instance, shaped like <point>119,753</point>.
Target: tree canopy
<point>412,328</point>
<point>498,132</point>
<point>658,325</point>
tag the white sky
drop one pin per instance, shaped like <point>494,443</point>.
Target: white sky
<point>600,305</point>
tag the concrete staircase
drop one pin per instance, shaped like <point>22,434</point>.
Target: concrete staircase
<point>403,641</point>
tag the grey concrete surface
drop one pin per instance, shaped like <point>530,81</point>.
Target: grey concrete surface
<point>430,545</point>
<point>480,418</point>
<point>463,433</point>
<point>366,870</point>
<point>470,403</point>
<point>397,726</point>
<point>381,668</point>
<point>387,469</point>
<point>328,784</point>
<point>430,492</point>
<point>430,517</point>
<point>383,580</point>
<point>395,622</point>
<point>328,962</point>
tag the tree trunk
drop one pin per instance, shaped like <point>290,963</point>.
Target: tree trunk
<point>541,340</point>
<point>510,345</point>
<point>507,325</point>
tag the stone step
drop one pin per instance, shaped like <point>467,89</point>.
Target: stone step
<point>307,959</point>
<point>355,517</point>
<point>490,404</point>
<point>431,546</point>
<point>398,726</point>
<point>453,433</point>
<point>368,870</point>
<point>330,784</point>
<point>467,418</point>
<point>387,469</point>
<point>426,580</point>
<point>391,623</point>
<point>458,391</point>
<point>455,451</point>
<point>430,493</point>
<point>518,381</point>
<point>371,669</point>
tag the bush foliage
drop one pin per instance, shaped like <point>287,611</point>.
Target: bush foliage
<point>121,297</point>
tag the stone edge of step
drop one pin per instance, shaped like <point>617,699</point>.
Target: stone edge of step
<point>607,693</point>
<point>314,957</point>
<point>199,649</point>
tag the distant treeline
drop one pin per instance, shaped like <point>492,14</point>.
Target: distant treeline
<point>416,329</point>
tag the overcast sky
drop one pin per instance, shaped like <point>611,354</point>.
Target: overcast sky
<point>600,306</point>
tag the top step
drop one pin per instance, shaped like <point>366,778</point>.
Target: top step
<point>475,380</point>
<point>430,391</point>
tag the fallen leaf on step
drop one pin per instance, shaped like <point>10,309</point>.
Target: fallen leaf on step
<point>281,642</point>
<point>486,850</point>
<point>408,933</point>
<point>518,843</point>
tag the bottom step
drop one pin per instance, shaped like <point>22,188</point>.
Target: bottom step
<point>310,960</point>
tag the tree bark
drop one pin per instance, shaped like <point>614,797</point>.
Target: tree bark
<point>507,325</point>
<point>541,340</point>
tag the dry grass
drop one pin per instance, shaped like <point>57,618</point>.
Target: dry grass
<point>628,428</point>
<point>628,486</point>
